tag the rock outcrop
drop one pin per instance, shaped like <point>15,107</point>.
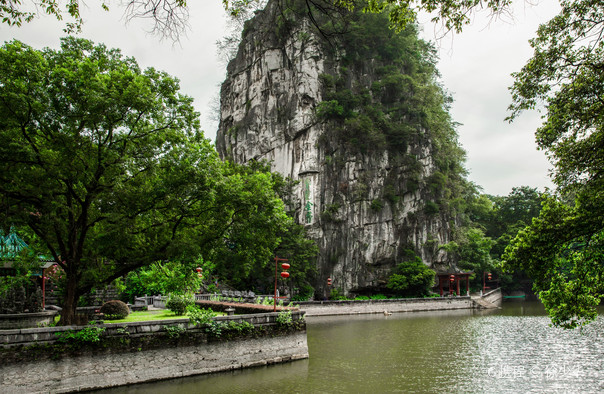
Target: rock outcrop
<point>368,202</point>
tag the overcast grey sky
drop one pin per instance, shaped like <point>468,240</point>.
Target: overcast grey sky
<point>475,67</point>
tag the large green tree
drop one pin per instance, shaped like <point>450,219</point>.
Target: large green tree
<point>509,215</point>
<point>562,249</point>
<point>106,164</point>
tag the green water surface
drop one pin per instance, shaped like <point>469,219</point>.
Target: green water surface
<point>513,350</point>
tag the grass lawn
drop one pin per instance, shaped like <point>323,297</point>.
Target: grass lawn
<point>163,314</point>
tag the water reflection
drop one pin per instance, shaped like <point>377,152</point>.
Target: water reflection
<point>510,350</point>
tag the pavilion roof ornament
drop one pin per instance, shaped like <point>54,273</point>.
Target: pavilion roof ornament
<point>11,245</point>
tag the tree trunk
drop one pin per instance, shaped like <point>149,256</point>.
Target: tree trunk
<point>70,302</point>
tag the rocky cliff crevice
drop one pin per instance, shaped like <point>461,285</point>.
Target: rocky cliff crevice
<point>374,177</point>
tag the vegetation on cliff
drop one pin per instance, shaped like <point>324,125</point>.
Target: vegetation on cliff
<point>386,96</point>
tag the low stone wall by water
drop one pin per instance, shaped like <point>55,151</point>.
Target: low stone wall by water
<point>21,320</point>
<point>495,297</point>
<point>325,308</point>
<point>141,352</point>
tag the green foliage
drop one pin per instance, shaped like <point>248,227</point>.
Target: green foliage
<point>396,108</point>
<point>19,297</point>
<point>95,150</point>
<point>304,293</point>
<point>114,310</point>
<point>18,293</point>
<point>257,225</point>
<point>336,294</point>
<point>507,215</point>
<point>284,318</point>
<point>175,331</point>
<point>238,328</point>
<point>178,303</point>
<point>411,278</point>
<point>472,250</point>
<point>170,17</point>
<point>329,109</point>
<point>329,215</point>
<point>395,103</point>
<point>199,316</point>
<point>561,248</point>
<point>376,205</point>
<point>431,208</point>
<point>488,224</point>
<point>562,251</point>
<point>172,277</point>
<point>204,318</point>
<point>89,334</point>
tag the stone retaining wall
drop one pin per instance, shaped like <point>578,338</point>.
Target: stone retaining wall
<point>239,307</point>
<point>20,320</point>
<point>494,297</point>
<point>324,308</point>
<point>115,366</point>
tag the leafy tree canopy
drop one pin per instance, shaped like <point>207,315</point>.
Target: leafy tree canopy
<point>562,248</point>
<point>171,16</point>
<point>411,278</point>
<point>106,164</point>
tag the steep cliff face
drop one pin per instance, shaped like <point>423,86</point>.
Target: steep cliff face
<point>375,179</point>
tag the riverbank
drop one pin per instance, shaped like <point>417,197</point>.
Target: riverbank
<point>389,306</point>
<point>512,350</point>
<point>57,359</point>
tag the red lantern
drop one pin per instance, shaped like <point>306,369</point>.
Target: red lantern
<point>489,276</point>
<point>452,278</point>
<point>285,274</point>
<point>199,270</point>
<point>328,281</point>
<point>285,266</point>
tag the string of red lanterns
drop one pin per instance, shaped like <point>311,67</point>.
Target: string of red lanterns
<point>285,266</point>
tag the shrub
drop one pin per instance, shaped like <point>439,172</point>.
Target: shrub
<point>431,208</point>
<point>336,294</point>
<point>18,296</point>
<point>377,205</point>
<point>411,278</point>
<point>179,303</point>
<point>284,318</point>
<point>88,334</point>
<point>114,310</point>
<point>175,331</point>
<point>199,316</point>
<point>329,109</point>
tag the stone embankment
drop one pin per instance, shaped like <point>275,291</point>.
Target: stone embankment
<point>325,308</point>
<point>490,300</point>
<point>349,307</point>
<point>37,361</point>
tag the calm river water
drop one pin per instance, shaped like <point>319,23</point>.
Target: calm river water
<point>513,350</point>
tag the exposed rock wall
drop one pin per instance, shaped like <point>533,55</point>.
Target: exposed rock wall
<point>268,112</point>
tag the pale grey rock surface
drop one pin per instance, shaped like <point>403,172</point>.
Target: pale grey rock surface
<point>268,104</point>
